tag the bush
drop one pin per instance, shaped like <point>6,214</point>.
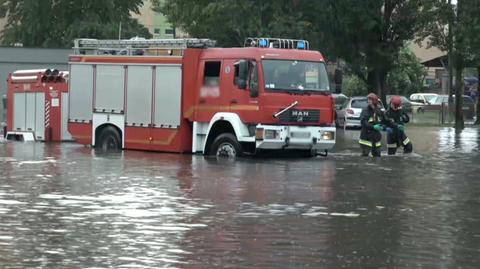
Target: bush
<point>354,86</point>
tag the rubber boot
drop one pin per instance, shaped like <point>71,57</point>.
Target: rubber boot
<point>365,150</point>
<point>408,148</point>
<point>392,151</point>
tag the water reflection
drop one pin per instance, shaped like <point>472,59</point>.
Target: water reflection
<point>466,141</point>
<point>64,206</point>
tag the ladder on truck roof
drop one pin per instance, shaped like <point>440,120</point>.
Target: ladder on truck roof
<point>137,46</point>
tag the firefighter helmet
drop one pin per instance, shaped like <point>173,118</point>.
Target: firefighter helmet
<point>373,97</point>
<point>396,101</point>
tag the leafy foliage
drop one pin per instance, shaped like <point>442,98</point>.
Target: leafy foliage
<point>55,23</point>
<point>367,34</point>
<point>407,74</point>
<point>354,86</point>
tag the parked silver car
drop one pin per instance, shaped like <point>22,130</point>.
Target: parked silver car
<point>349,114</point>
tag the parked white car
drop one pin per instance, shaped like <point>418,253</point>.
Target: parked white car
<point>349,114</point>
<point>420,100</point>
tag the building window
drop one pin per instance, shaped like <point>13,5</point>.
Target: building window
<point>156,31</point>
<point>169,31</point>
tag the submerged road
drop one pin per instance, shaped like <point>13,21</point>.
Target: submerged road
<point>64,206</point>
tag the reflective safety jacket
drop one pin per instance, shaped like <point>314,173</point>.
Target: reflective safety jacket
<point>369,117</point>
<point>398,116</point>
<point>397,137</point>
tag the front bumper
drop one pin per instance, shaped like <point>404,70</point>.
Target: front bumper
<point>294,137</point>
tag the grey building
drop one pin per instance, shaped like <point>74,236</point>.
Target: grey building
<point>17,58</point>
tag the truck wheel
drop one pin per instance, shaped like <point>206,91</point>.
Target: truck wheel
<point>109,140</point>
<point>226,145</point>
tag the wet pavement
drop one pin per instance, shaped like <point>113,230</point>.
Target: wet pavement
<point>64,206</point>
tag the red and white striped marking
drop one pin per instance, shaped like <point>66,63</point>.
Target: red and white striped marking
<point>47,113</point>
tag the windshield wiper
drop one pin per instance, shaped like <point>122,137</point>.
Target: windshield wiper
<point>285,109</point>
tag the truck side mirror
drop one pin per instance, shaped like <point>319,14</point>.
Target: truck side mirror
<point>241,79</point>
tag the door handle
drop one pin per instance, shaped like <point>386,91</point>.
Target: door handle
<point>234,101</point>
<point>202,101</point>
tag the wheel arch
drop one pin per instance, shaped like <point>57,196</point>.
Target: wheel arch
<point>225,123</point>
<point>100,128</point>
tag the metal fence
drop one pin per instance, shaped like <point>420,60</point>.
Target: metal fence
<point>438,116</point>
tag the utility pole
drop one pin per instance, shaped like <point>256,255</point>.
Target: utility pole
<point>119,30</point>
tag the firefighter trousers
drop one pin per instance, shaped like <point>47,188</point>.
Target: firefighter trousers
<point>398,139</point>
<point>368,146</point>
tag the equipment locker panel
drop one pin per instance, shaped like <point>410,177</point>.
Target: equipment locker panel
<point>81,92</point>
<point>139,95</point>
<point>19,111</point>
<point>30,111</point>
<point>40,119</point>
<point>168,93</point>
<point>64,132</point>
<point>109,90</point>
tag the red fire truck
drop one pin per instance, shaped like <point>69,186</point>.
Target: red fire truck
<point>186,95</point>
<point>37,105</point>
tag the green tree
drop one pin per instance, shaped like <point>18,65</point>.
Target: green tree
<point>55,23</point>
<point>407,75</point>
<point>367,34</point>
<point>455,30</point>
<point>472,40</point>
<point>354,86</point>
<point>231,21</point>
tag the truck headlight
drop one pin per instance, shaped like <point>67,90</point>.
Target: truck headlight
<point>328,135</point>
<point>271,134</point>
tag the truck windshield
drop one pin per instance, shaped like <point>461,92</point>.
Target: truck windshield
<point>292,75</point>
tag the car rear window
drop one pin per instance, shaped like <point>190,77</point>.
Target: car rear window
<point>359,103</point>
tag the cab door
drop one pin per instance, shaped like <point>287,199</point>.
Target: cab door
<point>242,101</point>
<point>212,97</point>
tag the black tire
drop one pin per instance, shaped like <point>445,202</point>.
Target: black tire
<point>109,140</point>
<point>306,153</point>
<point>226,145</point>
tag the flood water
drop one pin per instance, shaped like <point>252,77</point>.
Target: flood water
<point>64,206</point>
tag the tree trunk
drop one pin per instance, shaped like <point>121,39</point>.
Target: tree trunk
<point>459,124</point>
<point>376,80</point>
<point>372,82</point>
<point>450,76</point>
<point>382,81</point>
<point>450,56</point>
<point>477,121</point>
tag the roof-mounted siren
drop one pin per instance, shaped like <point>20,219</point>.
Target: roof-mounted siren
<point>279,43</point>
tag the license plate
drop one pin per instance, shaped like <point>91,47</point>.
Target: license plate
<point>300,134</point>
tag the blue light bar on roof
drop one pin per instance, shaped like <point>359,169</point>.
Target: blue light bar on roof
<point>277,43</point>
<point>263,43</point>
<point>301,45</point>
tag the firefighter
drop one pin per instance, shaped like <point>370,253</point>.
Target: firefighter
<point>373,121</point>
<point>396,136</point>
